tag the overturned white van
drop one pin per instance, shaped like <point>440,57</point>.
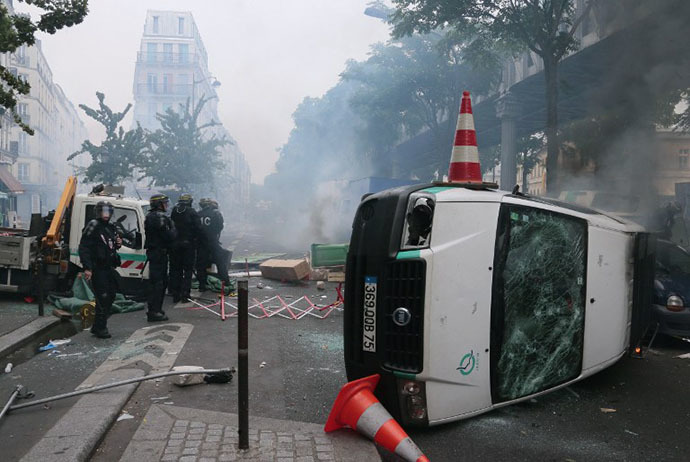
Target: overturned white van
<point>466,298</point>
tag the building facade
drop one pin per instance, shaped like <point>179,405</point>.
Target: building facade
<point>172,71</point>
<point>41,164</point>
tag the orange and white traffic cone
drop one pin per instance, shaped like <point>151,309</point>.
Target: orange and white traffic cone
<point>464,160</point>
<point>357,407</point>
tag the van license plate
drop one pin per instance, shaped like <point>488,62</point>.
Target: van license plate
<point>369,324</point>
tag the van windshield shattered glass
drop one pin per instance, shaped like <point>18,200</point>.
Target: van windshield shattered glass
<point>539,301</point>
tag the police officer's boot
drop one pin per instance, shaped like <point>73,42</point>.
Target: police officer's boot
<point>99,328</point>
<point>156,316</point>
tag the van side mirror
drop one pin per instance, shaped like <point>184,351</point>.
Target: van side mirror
<point>138,244</point>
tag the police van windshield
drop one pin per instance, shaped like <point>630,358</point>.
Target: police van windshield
<point>539,301</point>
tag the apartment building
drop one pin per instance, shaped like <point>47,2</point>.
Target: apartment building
<point>172,71</point>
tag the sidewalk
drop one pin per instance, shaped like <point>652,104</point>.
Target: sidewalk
<point>171,433</point>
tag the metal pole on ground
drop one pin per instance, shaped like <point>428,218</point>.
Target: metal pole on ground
<point>243,361</point>
<point>39,270</point>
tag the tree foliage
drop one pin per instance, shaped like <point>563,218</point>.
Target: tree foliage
<point>410,85</point>
<point>545,27</point>
<point>19,29</point>
<point>117,157</point>
<point>181,152</point>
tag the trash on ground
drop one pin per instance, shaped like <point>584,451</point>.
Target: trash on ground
<point>61,341</point>
<point>262,365</point>
<point>321,285</point>
<point>125,416</point>
<point>8,368</point>
<point>632,433</point>
<point>160,398</point>
<point>168,402</point>
<point>607,410</point>
<point>285,270</point>
<point>219,377</point>
<point>47,346</point>
<point>318,274</point>
<point>62,314</point>
<point>260,285</point>
<point>29,299</point>
<point>336,276</point>
<point>684,356</point>
<point>188,379</point>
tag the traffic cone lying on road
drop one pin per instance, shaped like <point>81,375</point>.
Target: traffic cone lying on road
<point>464,160</point>
<point>357,407</point>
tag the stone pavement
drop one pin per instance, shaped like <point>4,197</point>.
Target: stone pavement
<point>171,433</point>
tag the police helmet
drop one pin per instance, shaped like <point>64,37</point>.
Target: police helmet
<point>104,210</point>
<point>158,201</point>
<point>214,204</point>
<point>204,203</point>
<point>185,199</point>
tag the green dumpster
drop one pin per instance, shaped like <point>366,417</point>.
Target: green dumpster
<point>328,255</point>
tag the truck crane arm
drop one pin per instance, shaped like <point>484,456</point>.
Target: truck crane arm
<point>56,228</point>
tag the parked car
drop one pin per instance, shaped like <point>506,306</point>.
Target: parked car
<point>671,306</point>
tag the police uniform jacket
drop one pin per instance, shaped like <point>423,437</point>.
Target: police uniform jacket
<point>98,246</point>
<point>211,224</point>
<point>187,224</point>
<point>160,231</point>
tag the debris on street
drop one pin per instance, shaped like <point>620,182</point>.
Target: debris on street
<point>125,416</point>
<point>285,270</point>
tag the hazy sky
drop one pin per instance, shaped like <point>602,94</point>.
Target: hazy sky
<point>267,54</point>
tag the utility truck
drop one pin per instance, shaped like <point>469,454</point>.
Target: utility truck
<point>46,255</point>
<point>465,298</point>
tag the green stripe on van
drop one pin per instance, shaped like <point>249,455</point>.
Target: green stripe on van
<point>437,189</point>
<point>408,254</point>
<point>404,375</point>
<point>124,256</point>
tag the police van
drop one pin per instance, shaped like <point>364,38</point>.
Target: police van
<point>465,298</point>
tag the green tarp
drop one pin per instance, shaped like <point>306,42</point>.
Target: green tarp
<point>83,294</point>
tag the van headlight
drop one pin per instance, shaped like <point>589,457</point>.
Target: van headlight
<point>675,303</point>
<point>418,221</point>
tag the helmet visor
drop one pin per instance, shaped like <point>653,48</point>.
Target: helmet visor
<point>107,212</point>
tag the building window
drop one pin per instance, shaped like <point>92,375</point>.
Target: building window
<point>151,52</point>
<point>167,52</point>
<point>167,83</point>
<point>23,172</point>
<point>152,83</point>
<point>155,24</point>
<point>180,26</point>
<point>683,155</point>
<point>183,48</point>
<point>23,143</point>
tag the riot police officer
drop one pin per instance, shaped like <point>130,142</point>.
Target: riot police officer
<point>160,234</point>
<point>188,228</point>
<point>99,258</point>
<point>210,249</point>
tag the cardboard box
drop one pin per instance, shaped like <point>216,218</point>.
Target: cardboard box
<point>336,276</point>
<point>285,270</point>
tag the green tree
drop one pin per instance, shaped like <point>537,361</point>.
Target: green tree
<point>412,85</point>
<point>19,29</point>
<point>182,153</point>
<point>529,147</point>
<point>545,27</point>
<point>120,154</point>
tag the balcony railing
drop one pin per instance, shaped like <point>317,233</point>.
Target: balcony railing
<point>162,89</point>
<point>168,58</point>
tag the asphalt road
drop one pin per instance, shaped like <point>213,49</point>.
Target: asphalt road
<point>304,370</point>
